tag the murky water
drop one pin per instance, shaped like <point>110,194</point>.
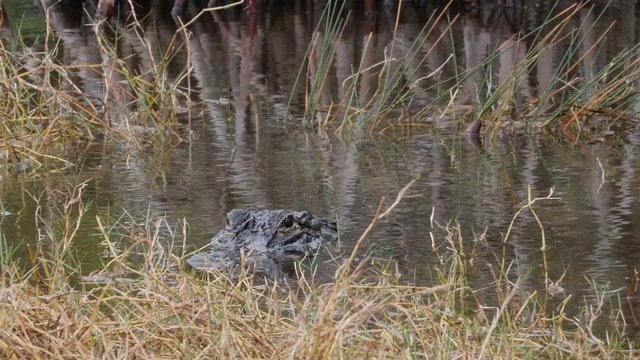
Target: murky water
<point>241,154</point>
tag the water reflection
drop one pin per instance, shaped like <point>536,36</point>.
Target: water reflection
<point>243,67</point>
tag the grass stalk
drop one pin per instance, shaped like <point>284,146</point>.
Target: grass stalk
<point>143,301</point>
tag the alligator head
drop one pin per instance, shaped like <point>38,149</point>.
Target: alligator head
<point>264,238</point>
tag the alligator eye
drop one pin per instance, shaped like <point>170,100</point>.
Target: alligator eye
<point>287,222</point>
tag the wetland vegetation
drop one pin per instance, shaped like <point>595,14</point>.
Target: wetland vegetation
<point>158,308</point>
<point>124,143</point>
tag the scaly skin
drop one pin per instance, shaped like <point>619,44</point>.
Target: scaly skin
<point>265,237</point>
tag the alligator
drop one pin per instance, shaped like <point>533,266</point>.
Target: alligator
<point>266,238</point>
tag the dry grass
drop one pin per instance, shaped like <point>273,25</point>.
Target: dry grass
<point>44,107</point>
<point>152,307</point>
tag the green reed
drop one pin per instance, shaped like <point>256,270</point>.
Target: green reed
<point>577,103</point>
<point>320,56</point>
<point>42,105</point>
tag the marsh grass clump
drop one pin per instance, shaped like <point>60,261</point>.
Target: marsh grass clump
<point>150,96</point>
<point>129,91</point>
<point>582,99</point>
<point>47,104</point>
<point>36,111</point>
<point>143,302</point>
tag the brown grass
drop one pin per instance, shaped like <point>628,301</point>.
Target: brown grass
<point>152,307</point>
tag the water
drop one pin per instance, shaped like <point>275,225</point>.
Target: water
<point>241,156</point>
